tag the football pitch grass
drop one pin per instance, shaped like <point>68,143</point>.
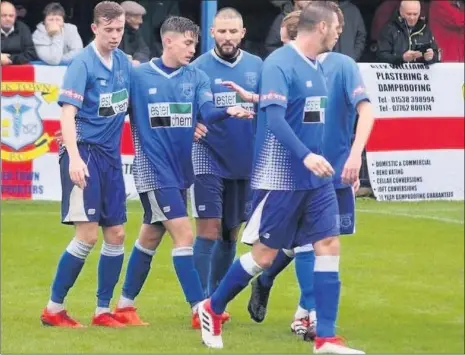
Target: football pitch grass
<point>402,277</point>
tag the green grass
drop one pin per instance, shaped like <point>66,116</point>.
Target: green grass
<point>402,288</point>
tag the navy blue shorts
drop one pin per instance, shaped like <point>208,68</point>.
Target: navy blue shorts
<point>215,197</point>
<point>346,202</point>
<point>103,200</point>
<point>163,205</point>
<point>288,219</point>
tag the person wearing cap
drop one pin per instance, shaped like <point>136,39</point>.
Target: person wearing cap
<point>133,43</point>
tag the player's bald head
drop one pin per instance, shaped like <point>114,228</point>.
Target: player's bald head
<point>228,31</point>
<point>228,13</point>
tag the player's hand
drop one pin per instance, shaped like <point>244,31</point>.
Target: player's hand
<point>318,165</point>
<point>59,137</point>
<point>429,54</point>
<point>356,185</point>
<point>135,62</point>
<point>240,112</point>
<point>78,172</point>
<point>351,170</point>
<point>245,95</point>
<point>200,131</point>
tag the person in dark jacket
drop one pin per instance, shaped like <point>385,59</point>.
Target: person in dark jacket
<point>407,37</point>
<point>273,39</point>
<point>17,46</point>
<point>133,43</point>
<point>353,38</point>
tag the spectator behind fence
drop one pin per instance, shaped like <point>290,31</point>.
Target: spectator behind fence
<point>273,39</point>
<point>385,11</point>
<point>56,41</point>
<point>133,43</point>
<point>17,46</point>
<point>352,40</point>
<point>407,37</point>
<point>447,22</point>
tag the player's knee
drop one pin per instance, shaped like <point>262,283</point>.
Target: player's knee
<point>209,228</point>
<point>150,236</point>
<point>114,235</point>
<point>87,232</point>
<point>263,255</point>
<point>328,246</point>
<point>183,237</point>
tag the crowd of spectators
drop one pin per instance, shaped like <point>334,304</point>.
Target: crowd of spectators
<point>401,31</point>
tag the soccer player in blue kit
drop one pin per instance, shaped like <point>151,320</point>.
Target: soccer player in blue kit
<point>347,98</point>
<point>166,96</point>
<point>94,101</point>
<point>223,159</point>
<point>294,199</point>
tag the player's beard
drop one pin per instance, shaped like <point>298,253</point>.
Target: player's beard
<point>328,44</point>
<point>227,55</point>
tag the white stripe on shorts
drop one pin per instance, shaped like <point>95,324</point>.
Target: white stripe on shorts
<point>157,213</point>
<point>76,210</point>
<point>194,212</point>
<point>251,232</point>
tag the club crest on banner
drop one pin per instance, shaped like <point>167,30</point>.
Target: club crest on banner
<point>22,129</point>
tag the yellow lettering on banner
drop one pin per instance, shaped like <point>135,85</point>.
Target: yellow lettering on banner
<point>49,92</point>
<point>42,146</point>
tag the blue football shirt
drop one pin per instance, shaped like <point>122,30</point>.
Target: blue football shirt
<point>346,91</point>
<point>292,81</point>
<point>227,150</point>
<point>100,91</point>
<point>163,118</point>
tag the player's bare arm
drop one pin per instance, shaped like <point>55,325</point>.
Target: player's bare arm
<point>353,164</point>
<point>245,95</point>
<point>77,168</point>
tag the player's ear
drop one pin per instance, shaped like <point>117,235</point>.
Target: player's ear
<point>93,27</point>
<point>244,31</point>
<point>212,32</point>
<point>166,41</point>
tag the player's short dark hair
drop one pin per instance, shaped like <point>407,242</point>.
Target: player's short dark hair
<point>316,12</point>
<point>54,8</point>
<point>290,22</point>
<point>228,13</point>
<point>108,11</point>
<point>179,24</point>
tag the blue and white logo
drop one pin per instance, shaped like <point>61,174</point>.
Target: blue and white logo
<point>21,122</point>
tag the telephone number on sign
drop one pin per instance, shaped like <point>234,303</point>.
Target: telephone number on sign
<point>412,99</point>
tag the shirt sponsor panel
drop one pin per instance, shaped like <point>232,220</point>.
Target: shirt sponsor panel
<point>227,99</point>
<point>113,103</point>
<point>314,109</point>
<point>174,115</point>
